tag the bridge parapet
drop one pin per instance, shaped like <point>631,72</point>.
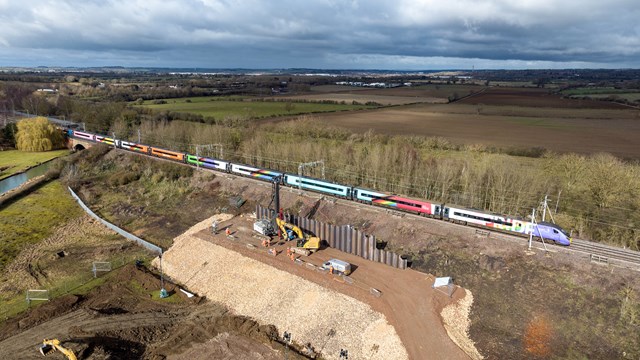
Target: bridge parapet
<point>78,144</point>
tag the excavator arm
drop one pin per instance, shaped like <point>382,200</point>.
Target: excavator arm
<point>311,243</point>
<point>52,345</point>
<point>283,225</point>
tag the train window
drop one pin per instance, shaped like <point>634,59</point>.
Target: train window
<point>326,186</point>
<point>555,231</point>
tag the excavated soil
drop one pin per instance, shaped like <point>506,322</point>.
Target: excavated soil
<point>119,320</point>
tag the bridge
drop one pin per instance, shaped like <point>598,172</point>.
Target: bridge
<point>78,144</point>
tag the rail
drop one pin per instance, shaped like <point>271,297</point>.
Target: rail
<point>600,252</point>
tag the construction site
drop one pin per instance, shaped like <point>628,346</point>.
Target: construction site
<point>254,285</point>
<point>252,275</point>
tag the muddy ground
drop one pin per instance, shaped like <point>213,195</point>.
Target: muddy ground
<point>120,320</point>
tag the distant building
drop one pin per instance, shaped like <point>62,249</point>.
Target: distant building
<point>47,90</point>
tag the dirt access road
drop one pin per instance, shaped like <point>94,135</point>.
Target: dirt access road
<point>408,302</point>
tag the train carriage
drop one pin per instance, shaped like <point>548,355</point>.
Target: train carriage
<point>483,219</point>
<point>106,140</point>
<point>134,147</point>
<point>207,162</point>
<point>262,174</point>
<point>83,135</point>
<point>167,154</point>
<point>317,185</point>
<point>393,201</point>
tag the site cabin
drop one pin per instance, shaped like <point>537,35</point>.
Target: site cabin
<point>338,266</point>
<point>263,227</point>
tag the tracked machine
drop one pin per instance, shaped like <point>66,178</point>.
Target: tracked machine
<point>51,345</point>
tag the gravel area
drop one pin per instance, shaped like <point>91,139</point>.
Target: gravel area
<point>456,322</point>
<point>327,319</point>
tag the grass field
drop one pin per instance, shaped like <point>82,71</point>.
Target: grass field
<point>14,161</point>
<point>219,109</point>
<point>35,229</point>
<point>441,91</point>
<point>363,97</point>
<point>33,218</point>
<point>597,93</point>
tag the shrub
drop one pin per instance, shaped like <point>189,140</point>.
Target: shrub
<point>122,178</point>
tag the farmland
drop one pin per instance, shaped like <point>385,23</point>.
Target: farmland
<point>219,109</point>
<point>432,93</point>
<point>513,118</point>
<point>604,93</point>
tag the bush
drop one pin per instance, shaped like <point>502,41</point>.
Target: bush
<point>122,178</point>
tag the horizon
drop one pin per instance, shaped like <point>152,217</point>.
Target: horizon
<point>293,69</point>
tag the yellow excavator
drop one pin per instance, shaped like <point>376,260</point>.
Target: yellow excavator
<point>305,244</point>
<point>49,346</point>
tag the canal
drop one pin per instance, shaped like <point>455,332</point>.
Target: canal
<point>16,180</point>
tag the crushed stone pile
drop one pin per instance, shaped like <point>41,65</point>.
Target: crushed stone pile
<point>457,323</point>
<point>327,319</point>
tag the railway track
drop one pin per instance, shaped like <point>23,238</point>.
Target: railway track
<point>605,251</point>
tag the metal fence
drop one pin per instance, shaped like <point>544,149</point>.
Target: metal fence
<point>124,233</point>
<point>344,238</point>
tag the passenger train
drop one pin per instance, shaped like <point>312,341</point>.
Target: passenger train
<point>440,211</point>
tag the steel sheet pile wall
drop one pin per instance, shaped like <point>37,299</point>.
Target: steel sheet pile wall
<point>344,238</point>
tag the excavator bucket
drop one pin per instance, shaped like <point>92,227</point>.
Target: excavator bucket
<point>46,349</point>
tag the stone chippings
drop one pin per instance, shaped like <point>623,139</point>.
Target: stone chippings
<point>271,296</point>
<point>456,321</point>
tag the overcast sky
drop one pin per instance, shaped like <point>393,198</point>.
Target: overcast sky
<point>323,34</point>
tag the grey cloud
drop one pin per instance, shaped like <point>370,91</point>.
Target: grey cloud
<point>289,33</point>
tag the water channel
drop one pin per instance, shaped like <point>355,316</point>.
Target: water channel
<point>16,180</point>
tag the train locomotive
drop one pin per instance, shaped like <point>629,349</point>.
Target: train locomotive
<point>460,215</point>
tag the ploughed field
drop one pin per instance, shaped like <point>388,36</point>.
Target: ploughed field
<point>510,118</point>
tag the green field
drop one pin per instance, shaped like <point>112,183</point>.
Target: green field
<point>27,222</point>
<point>220,109</point>
<point>33,218</point>
<point>14,161</point>
<point>622,96</point>
<point>603,93</point>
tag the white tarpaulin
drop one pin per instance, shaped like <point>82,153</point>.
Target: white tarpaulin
<point>442,281</point>
<point>444,284</point>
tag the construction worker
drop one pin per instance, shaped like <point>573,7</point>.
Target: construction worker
<point>214,227</point>
<point>292,256</point>
<point>228,231</point>
<point>330,269</point>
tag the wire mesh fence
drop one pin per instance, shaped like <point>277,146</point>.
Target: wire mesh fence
<point>77,284</point>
